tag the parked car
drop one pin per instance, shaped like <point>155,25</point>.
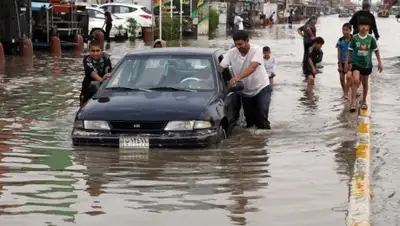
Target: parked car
<point>345,13</point>
<point>163,97</point>
<point>140,13</point>
<point>383,13</point>
<point>96,23</point>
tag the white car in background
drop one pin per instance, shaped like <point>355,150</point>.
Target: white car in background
<point>96,23</point>
<point>140,13</point>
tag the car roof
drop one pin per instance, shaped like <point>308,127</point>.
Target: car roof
<point>175,51</point>
<point>122,4</point>
<point>95,8</point>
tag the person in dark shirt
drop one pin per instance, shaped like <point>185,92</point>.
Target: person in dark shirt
<point>346,78</point>
<point>362,15</point>
<point>97,67</point>
<point>308,31</point>
<point>108,24</point>
<point>309,65</point>
<point>290,18</point>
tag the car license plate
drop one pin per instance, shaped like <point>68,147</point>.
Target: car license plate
<point>134,142</point>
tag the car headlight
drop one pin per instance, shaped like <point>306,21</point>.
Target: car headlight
<point>96,125</point>
<point>187,125</point>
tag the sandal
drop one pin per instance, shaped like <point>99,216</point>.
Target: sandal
<point>353,108</point>
<point>364,106</point>
<point>345,98</point>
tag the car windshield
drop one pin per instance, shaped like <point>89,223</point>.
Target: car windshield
<point>165,73</point>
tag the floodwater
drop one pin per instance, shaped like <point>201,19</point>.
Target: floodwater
<point>296,174</point>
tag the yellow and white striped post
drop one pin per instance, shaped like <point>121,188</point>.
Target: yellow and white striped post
<point>360,190</point>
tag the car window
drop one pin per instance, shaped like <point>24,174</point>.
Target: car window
<point>123,9</point>
<point>146,10</point>
<point>181,72</point>
<point>91,13</point>
<point>109,8</point>
<point>99,15</point>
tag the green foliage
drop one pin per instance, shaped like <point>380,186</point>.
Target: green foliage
<point>132,26</point>
<point>213,20</point>
<point>171,27</point>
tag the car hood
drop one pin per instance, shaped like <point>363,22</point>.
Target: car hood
<point>148,106</point>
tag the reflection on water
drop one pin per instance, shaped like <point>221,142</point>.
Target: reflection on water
<point>301,167</point>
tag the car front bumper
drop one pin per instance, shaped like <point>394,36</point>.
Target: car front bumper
<point>116,33</point>
<point>185,139</point>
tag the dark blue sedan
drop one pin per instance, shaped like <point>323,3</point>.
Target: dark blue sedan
<point>166,97</point>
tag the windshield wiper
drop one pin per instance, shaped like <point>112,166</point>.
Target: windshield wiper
<point>127,88</point>
<point>168,88</point>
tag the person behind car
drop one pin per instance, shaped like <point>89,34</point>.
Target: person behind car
<point>108,24</point>
<point>97,66</point>
<point>269,64</point>
<point>159,43</point>
<point>237,23</point>
<point>247,63</point>
<point>364,14</point>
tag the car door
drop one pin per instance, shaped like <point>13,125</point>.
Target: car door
<point>232,101</point>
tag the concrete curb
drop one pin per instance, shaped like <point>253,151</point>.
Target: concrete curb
<point>360,187</point>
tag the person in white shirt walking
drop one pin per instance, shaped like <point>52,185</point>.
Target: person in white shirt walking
<point>238,23</point>
<point>269,64</point>
<point>247,63</point>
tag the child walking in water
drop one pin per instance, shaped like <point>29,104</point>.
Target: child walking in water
<point>269,64</point>
<point>362,45</point>
<point>312,58</point>
<point>342,45</point>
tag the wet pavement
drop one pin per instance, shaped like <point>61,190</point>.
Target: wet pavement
<point>296,174</point>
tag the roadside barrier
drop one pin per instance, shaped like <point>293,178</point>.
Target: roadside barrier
<point>360,187</point>
<point>55,46</point>
<point>26,48</point>
<point>79,44</point>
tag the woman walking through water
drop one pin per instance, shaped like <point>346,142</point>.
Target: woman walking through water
<point>308,32</point>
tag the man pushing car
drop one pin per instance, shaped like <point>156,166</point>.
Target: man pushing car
<point>247,63</point>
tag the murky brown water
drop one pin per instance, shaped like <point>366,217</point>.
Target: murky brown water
<point>297,174</point>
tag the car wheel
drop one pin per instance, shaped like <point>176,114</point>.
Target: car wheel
<point>221,134</point>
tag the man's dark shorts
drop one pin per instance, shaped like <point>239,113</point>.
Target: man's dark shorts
<point>272,75</point>
<point>256,109</point>
<point>309,72</point>
<point>363,71</point>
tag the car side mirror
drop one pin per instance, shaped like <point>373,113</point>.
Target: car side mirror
<point>237,88</point>
<point>94,86</point>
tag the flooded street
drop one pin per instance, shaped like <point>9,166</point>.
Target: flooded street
<point>296,174</point>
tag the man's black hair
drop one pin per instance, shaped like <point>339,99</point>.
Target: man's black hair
<point>348,25</point>
<point>320,40</point>
<point>366,5</point>
<point>240,35</point>
<point>266,49</point>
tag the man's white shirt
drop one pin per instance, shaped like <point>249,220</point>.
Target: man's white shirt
<point>239,21</point>
<point>256,81</point>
